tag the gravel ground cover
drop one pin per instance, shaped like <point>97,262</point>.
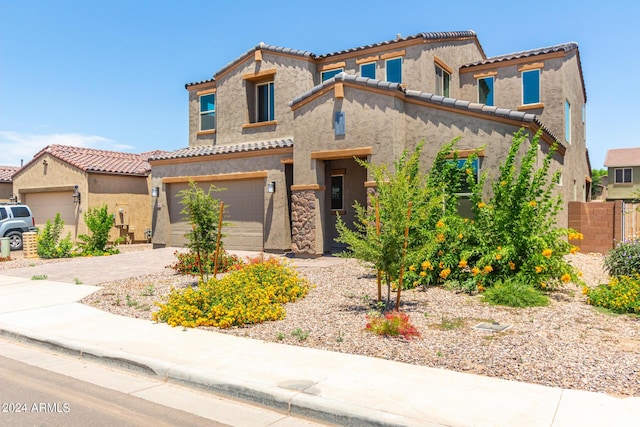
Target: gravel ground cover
<point>567,344</point>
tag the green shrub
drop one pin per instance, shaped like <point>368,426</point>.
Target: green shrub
<point>620,295</point>
<point>99,221</point>
<point>188,263</point>
<point>624,259</point>
<point>392,324</point>
<point>514,292</point>
<point>253,294</point>
<point>49,243</point>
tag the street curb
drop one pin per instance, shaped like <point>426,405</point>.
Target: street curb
<point>301,403</point>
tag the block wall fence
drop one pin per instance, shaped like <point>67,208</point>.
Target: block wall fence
<point>599,222</point>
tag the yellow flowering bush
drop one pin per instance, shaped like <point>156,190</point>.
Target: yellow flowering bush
<point>620,295</point>
<point>255,293</point>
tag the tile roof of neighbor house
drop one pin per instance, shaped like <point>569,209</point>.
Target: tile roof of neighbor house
<point>6,172</point>
<point>440,35</point>
<point>622,157</point>
<point>428,97</point>
<point>102,161</point>
<point>212,150</point>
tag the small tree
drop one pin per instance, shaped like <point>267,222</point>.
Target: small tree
<point>596,180</point>
<point>99,221</point>
<point>49,243</point>
<point>430,199</point>
<point>516,227</point>
<point>203,212</point>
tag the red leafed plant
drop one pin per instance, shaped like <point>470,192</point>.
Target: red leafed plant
<point>392,324</point>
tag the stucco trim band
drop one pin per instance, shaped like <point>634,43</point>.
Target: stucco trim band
<point>259,124</point>
<point>342,154</point>
<point>307,187</point>
<point>220,177</point>
<point>260,75</point>
<point>47,189</point>
<point>226,156</point>
<point>440,63</point>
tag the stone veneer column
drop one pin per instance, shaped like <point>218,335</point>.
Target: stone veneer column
<point>304,209</point>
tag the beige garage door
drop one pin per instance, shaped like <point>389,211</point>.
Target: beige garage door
<point>44,206</point>
<point>244,211</point>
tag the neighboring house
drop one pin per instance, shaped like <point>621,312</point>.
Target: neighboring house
<point>6,184</point>
<point>70,180</point>
<point>623,178</point>
<point>280,128</point>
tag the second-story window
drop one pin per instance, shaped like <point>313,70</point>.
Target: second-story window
<point>326,75</point>
<point>368,70</point>
<point>531,87</point>
<point>443,79</point>
<point>623,176</point>
<point>394,70</point>
<point>265,102</point>
<point>208,112</point>
<point>485,90</point>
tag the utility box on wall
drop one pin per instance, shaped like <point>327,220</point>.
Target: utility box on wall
<point>122,214</point>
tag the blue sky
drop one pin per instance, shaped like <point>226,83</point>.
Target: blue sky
<point>111,74</point>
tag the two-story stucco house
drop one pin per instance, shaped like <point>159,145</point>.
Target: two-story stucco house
<point>623,177</point>
<point>280,129</point>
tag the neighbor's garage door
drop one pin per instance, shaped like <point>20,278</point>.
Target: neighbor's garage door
<point>44,206</point>
<point>244,211</point>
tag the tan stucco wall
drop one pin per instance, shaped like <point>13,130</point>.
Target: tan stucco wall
<point>95,190</point>
<point>6,190</point>
<point>276,217</point>
<point>132,194</point>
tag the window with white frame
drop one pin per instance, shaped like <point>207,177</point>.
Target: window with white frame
<point>368,70</point>
<point>485,90</point>
<point>393,69</point>
<point>623,176</point>
<point>531,87</point>
<point>567,121</point>
<point>265,102</point>
<point>326,75</point>
<point>443,79</point>
<point>337,192</point>
<point>208,112</point>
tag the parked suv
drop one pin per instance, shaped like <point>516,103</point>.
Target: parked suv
<point>15,219</point>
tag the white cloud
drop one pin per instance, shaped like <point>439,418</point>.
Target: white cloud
<point>16,147</point>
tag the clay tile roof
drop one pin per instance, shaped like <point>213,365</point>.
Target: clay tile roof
<point>212,150</point>
<point>439,35</point>
<point>617,157</point>
<point>6,173</point>
<point>93,160</point>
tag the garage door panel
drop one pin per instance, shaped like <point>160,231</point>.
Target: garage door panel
<point>244,212</point>
<point>44,206</point>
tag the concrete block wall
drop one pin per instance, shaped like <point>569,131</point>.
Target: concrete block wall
<point>599,222</point>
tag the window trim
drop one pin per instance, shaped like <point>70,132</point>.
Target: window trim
<point>440,81</point>
<point>202,113</point>
<point>386,68</point>
<point>374,69</point>
<point>539,94</point>
<point>567,121</point>
<point>270,102</point>
<point>334,72</point>
<point>492,78</point>
<point>615,176</point>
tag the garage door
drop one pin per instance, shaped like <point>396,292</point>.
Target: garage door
<point>44,206</point>
<point>244,211</point>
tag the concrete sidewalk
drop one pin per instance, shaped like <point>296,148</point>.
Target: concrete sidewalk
<point>338,388</point>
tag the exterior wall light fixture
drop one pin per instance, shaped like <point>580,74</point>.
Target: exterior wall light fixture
<point>271,187</point>
<point>76,195</point>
